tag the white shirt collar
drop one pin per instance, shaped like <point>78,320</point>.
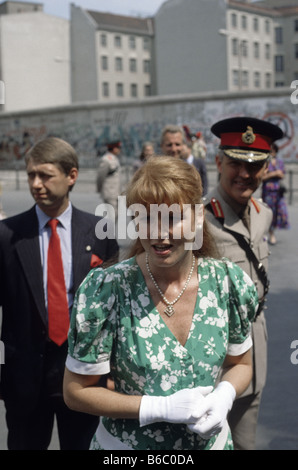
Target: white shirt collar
<point>64,218</point>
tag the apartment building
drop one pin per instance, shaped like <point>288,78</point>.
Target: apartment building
<point>264,42</point>
<point>190,46</point>
<point>251,54</point>
<point>231,45</point>
<point>112,56</point>
<point>34,57</point>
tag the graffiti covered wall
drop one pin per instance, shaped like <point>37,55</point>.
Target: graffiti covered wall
<point>89,126</point>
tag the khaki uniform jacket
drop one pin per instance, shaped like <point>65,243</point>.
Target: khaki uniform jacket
<point>222,217</point>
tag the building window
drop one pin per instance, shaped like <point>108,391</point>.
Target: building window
<point>296,26</point>
<point>268,80</point>
<point>244,22</point>
<point>279,63</point>
<point>134,90</point>
<point>146,44</point>
<point>256,24</point>
<point>118,42</point>
<point>267,51</point>
<point>147,90</point>
<point>104,62</point>
<point>132,42</point>
<point>105,89</point>
<point>244,49</point>
<point>234,20</point>
<point>235,46</point>
<point>278,35</point>
<point>146,66</point>
<point>132,65</point>
<point>244,78</point>
<point>257,79</point>
<point>119,90</point>
<point>296,51</point>
<point>103,40</point>
<point>267,26</point>
<point>256,50</point>
<point>118,64</point>
<point>235,78</point>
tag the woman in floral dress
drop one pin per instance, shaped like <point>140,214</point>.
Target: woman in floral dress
<point>273,194</point>
<point>171,325</point>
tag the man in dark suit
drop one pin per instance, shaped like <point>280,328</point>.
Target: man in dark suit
<point>32,376</point>
<point>199,163</point>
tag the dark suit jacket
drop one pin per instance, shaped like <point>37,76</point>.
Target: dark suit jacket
<point>24,322</point>
<point>202,169</point>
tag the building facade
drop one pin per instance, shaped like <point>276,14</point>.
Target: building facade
<point>268,34</point>
<point>231,45</point>
<point>190,46</point>
<point>117,53</point>
<point>34,57</point>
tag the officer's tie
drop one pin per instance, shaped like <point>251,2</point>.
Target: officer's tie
<point>58,313</point>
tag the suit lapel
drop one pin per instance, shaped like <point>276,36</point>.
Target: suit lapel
<point>28,250</point>
<point>81,254</point>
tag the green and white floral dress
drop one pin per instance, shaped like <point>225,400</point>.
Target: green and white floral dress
<point>116,327</point>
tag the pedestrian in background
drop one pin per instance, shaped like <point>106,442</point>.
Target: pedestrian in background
<point>199,147</point>
<point>108,179</point>
<point>273,193</point>
<point>45,253</point>
<point>240,225</point>
<point>198,163</point>
<point>146,152</point>
<point>172,141</point>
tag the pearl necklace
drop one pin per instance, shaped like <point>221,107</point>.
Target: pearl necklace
<point>169,311</point>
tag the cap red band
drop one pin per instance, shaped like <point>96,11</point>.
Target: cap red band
<point>235,139</point>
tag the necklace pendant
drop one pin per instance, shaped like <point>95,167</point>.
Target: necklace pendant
<point>169,311</point>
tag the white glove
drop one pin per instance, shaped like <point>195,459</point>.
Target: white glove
<point>177,408</point>
<point>213,410</point>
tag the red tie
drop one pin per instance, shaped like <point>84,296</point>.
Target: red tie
<point>58,313</point>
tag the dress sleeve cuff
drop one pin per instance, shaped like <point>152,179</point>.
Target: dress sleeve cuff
<point>238,349</point>
<point>84,368</point>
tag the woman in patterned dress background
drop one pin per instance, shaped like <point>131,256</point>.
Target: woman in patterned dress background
<point>273,193</point>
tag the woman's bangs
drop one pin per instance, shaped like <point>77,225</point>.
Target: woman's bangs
<point>156,193</point>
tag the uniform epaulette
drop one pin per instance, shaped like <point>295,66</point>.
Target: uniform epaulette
<point>217,209</point>
<point>256,205</point>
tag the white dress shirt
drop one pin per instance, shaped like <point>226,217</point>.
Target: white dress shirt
<point>64,232</point>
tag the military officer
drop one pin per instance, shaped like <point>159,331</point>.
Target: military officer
<point>109,175</point>
<point>240,226</point>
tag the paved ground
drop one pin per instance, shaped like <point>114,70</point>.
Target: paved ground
<point>277,428</point>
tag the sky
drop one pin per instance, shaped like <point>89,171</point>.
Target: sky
<point>122,7</point>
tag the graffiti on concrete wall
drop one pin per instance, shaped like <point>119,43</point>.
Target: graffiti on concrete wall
<point>89,129</point>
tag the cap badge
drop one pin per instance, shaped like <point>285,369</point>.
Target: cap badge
<point>248,137</point>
